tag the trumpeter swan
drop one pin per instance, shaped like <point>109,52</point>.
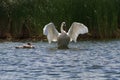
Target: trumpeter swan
<point>64,37</point>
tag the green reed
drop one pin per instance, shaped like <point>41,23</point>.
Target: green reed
<point>101,16</point>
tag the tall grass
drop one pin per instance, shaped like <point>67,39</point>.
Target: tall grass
<point>28,17</point>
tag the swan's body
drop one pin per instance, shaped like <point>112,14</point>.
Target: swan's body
<point>64,38</point>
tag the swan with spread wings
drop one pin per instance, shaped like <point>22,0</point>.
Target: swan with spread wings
<point>64,37</point>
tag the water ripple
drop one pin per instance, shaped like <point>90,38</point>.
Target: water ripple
<point>86,60</point>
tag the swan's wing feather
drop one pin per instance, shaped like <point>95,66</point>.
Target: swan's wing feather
<point>51,32</point>
<point>76,29</point>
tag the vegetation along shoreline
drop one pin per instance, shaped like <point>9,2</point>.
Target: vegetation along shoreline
<point>25,19</point>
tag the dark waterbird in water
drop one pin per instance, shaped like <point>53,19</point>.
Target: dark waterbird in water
<point>64,37</point>
<point>28,45</point>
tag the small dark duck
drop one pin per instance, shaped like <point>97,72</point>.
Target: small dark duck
<point>28,45</point>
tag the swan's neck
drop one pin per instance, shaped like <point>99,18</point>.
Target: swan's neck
<point>62,31</point>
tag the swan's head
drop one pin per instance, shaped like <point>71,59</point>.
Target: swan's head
<point>63,24</point>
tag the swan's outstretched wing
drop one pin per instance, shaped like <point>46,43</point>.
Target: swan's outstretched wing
<point>76,29</point>
<point>50,31</point>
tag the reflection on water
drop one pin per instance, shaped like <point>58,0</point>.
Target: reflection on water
<point>86,60</point>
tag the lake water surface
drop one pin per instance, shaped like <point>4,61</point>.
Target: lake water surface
<point>85,60</point>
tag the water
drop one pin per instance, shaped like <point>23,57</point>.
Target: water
<point>85,60</point>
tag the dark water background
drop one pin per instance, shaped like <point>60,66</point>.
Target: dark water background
<point>85,60</point>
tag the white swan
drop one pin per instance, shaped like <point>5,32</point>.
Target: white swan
<point>64,38</point>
